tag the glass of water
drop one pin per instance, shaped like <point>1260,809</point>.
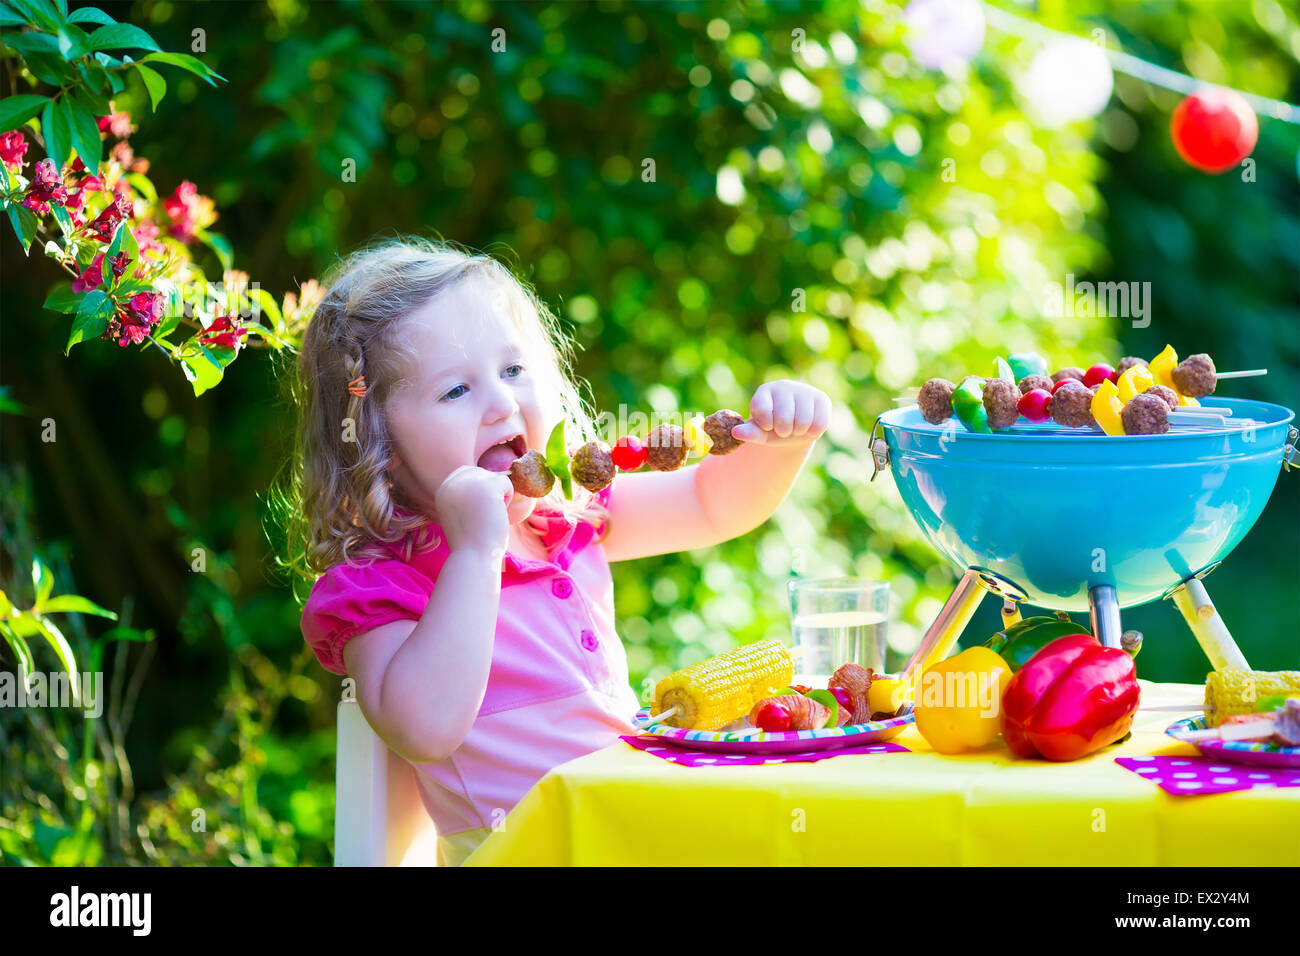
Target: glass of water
<point>838,620</point>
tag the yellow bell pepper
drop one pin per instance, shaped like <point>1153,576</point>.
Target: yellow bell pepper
<point>1133,383</point>
<point>959,704</point>
<point>1161,367</point>
<point>1106,406</point>
<point>697,439</point>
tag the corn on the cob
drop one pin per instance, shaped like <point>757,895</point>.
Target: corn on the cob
<point>1231,691</point>
<point>721,689</point>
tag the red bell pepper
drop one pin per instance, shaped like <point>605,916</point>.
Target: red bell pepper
<point>1072,697</point>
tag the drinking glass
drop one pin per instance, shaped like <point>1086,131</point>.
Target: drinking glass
<point>838,620</point>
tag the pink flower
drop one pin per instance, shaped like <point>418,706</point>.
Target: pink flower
<point>92,278</point>
<point>146,237</point>
<point>132,326</point>
<point>225,331</point>
<point>119,124</point>
<point>75,205</point>
<point>106,222</point>
<point>46,187</point>
<point>188,211</point>
<point>13,146</point>
<point>119,263</point>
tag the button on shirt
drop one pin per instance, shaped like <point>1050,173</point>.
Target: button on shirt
<point>558,685</point>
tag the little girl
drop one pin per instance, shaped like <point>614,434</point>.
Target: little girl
<point>478,624</point>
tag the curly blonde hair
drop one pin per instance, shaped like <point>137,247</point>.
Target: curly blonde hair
<point>340,504</point>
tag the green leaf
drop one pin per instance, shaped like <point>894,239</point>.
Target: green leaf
<point>117,36</point>
<point>56,126</point>
<point>154,83</point>
<point>85,132</point>
<point>92,318</point>
<point>10,19</point>
<point>42,580</point>
<point>17,110</point>
<point>201,373</point>
<point>187,62</point>
<point>89,15</point>
<point>50,68</point>
<point>88,95</point>
<point>25,224</point>
<point>18,644</point>
<point>63,218</point>
<point>33,43</point>
<point>266,301</point>
<point>62,650</point>
<point>73,603</point>
<point>218,244</point>
<point>143,185</point>
<point>62,298</point>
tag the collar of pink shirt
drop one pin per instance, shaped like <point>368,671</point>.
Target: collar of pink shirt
<point>561,536</point>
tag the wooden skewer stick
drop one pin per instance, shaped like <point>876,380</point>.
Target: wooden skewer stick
<point>1211,412</point>
<point>1244,373</point>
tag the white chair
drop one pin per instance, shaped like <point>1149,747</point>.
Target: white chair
<point>378,817</point>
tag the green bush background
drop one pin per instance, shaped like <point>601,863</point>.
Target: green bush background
<point>677,299</point>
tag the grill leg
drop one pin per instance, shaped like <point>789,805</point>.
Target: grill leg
<point>947,627</point>
<point>1103,613</point>
<point>1211,633</point>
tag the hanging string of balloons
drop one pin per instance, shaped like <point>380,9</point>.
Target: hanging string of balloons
<point>1071,78</point>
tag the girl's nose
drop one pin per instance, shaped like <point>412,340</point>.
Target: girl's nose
<point>501,402</point>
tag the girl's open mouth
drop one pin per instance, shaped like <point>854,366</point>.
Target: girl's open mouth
<point>502,455</point>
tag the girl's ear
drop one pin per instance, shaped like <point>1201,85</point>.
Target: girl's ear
<point>394,462</point>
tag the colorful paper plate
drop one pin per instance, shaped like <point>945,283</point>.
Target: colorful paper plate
<point>780,742</point>
<point>1237,751</point>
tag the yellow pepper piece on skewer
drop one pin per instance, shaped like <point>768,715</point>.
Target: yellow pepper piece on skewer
<point>1161,367</point>
<point>697,439</point>
<point>1106,406</point>
<point>1133,383</point>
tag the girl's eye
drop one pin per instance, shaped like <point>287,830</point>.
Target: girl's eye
<point>452,394</point>
<point>517,374</point>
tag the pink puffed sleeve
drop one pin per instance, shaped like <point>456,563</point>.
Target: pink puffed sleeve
<point>348,600</point>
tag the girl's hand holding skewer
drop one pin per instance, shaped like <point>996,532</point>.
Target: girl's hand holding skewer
<point>785,413</point>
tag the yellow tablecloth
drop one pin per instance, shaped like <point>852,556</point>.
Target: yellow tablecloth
<point>623,807</point>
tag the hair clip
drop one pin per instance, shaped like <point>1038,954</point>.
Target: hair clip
<point>358,386</point>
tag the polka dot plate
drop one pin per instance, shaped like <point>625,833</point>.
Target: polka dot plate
<point>777,742</point>
<point>1237,751</point>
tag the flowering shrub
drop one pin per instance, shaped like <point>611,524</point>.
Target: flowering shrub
<point>129,252</point>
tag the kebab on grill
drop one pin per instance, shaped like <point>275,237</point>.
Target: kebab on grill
<point>1133,398</point>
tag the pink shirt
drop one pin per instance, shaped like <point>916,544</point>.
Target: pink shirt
<point>558,686</point>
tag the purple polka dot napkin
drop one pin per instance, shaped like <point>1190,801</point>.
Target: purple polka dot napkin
<point>705,758</point>
<point>1185,775</point>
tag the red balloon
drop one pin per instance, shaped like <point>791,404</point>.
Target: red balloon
<point>1214,129</point>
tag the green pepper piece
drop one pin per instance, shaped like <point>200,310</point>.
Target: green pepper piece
<point>1018,643</point>
<point>1027,363</point>
<point>968,404</point>
<point>1266,705</point>
<point>1004,371</point>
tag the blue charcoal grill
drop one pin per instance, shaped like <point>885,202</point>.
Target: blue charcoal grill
<point>1072,519</point>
